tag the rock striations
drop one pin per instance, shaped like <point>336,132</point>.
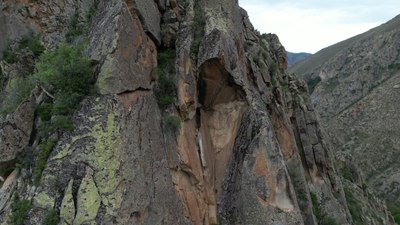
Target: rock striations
<point>194,120</point>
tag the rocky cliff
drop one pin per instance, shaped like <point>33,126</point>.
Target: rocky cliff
<point>194,119</point>
<point>356,83</point>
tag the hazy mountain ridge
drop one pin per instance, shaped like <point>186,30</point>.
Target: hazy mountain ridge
<point>294,58</point>
<point>356,84</point>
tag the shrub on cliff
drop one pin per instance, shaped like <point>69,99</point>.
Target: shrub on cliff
<point>66,75</point>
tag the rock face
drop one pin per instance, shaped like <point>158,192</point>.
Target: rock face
<point>239,144</point>
<point>357,100</point>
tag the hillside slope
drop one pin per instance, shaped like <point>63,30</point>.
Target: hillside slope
<point>160,112</point>
<point>294,58</point>
<point>355,87</point>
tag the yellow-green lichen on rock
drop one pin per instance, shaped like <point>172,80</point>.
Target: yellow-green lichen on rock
<point>43,201</point>
<point>106,72</point>
<point>67,211</point>
<point>88,201</point>
<point>99,147</point>
<point>105,160</point>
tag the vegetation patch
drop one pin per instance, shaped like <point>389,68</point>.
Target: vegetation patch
<point>273,69</point>
<point>354,207</point>
<point>10,56</point>
<point>323,218</point>
<point>67,77</point>
<point>198,25</point>
<point>183,3</point>
<point>20,209</point>
<point>32,42</point>
<point>45,150</point>
<point>312,83</point>
<point>395,211</point>
<point>76,28</point>
<point>394,66</point>
<point>51,217</point>
<point>165,89</point>
<point>173,122</point>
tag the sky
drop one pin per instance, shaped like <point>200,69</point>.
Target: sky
<point>310,25</point>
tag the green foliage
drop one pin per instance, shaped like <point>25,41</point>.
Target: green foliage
<point>273,69</point>
<point>20,209</point>
<point>247,45</point>
<point>183,3</point>
<point>61,122</point>
<point>18,91</point>
<point>197,28</point>
<point>67,74</point>
<point>316,209</point>
<point>173,122</point>
<point>44,111</point>
<point>264,44</point>
<point>323,218</point>
<point>32,42</point>
<point>10,56</point>
<point>394,66</point>
<point>65,70</point>
<point>296,101</point>
<point>51,217</point>
<point>395,211</point>
<point>328,221</point>
<point>75,28</point>
<point>354,207</point>
<point>166,88</point>
<point>312,83</point>
<point>92,11</point>
<point>166,57</point>
<point>346,173</point>
<point>302,195</point>
<point>45,150</point>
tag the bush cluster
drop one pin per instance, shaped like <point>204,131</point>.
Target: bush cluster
<point>51,217</point>
<point>165,89</point>
<point>395,211</point>
<point>312,83</point>
<point>67,77</point>
<point>30,41</point>
<point>20,209</point>
<point>75,28</point>
<point>354,207</point>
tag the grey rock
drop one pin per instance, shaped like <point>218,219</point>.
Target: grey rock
<point>15,133</point>
<point>150,17</point>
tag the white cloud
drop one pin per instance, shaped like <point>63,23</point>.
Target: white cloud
<point>310,26</point>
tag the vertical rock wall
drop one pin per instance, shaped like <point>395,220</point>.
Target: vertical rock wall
<point>248,149</point>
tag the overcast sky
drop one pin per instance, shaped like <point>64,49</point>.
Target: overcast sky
<point>310,25</point>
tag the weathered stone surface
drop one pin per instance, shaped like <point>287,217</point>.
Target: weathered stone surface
<point>7,189</point>
<point>67,210</point>
<point>128,53</point>
<point>15,133</point>
<point>150,18</point>
<point>240,143</point>
<point>88,200</point>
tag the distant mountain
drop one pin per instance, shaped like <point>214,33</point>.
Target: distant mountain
<point>355,86</point>
<point>293,58</point>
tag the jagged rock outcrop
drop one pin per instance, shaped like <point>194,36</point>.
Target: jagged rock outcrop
<point>356,86</point>
<point>239,143</point>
